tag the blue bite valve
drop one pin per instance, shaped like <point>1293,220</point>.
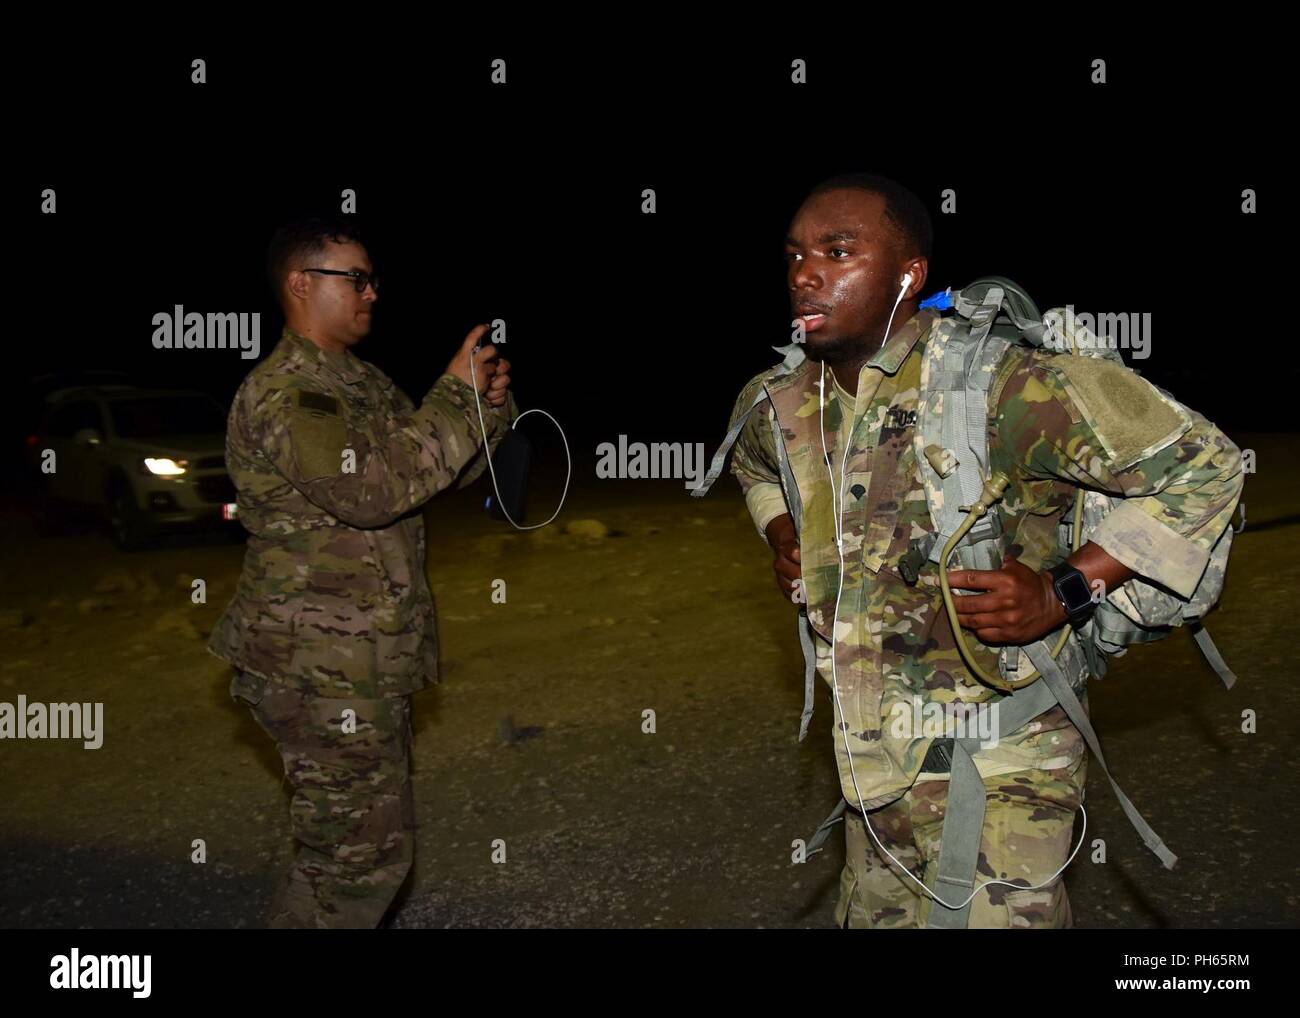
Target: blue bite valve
<point>941,301</point>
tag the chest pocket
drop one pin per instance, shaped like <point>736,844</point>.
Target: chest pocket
<point>893,476</point>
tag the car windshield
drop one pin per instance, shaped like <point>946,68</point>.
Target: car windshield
<point>159,416</point>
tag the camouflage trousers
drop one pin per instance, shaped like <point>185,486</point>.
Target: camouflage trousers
<point>1028,834</point>
<point>351,812</point>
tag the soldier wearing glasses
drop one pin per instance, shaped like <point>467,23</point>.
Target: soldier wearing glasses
<point>332,625</point>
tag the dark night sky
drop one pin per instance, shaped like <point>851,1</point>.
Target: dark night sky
<point>523,203</point>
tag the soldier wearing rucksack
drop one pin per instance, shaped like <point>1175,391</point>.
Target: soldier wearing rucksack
<point>897,457</point>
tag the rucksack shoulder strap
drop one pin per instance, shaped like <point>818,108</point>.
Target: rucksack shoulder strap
<point>960,364</point>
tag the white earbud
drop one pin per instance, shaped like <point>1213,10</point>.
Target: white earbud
<point>907,281</point>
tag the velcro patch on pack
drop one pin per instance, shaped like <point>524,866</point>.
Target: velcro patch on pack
<point>1129,416</point>
<point>317,401</point>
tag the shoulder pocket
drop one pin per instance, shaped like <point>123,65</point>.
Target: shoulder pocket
<point>319,435</point>
<point>1130,417</point>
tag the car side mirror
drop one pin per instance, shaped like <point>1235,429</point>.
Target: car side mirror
<point>87,436</point>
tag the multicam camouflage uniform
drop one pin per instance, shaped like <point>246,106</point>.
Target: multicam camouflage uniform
<point>332,625</point>
<point>1053,423</point>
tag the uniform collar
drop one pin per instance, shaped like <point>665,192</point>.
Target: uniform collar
<point>345,365</point>
<point>889,358</point>
<point>798,369</point>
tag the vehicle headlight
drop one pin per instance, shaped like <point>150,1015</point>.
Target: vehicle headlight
<point>164,466</point>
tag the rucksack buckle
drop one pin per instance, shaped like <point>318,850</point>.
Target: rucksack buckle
<point>910,565</point>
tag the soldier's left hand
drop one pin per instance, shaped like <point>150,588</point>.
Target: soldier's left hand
<point>496,391</point>
<point>1017,607</point>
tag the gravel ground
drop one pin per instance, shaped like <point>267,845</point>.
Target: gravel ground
<point>535,736</point>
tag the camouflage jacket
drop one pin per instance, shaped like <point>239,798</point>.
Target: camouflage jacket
<point>333,598</point>
<point>894,641</point>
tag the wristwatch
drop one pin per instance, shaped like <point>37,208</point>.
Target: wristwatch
<point>1072,589</point>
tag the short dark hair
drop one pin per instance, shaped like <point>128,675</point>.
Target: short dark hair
<point>903,208</point>
<point>305,237</point>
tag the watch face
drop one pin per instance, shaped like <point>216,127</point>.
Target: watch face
<point>1073,590</point>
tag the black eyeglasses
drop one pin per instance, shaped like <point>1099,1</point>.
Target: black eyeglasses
<point>360,279</point>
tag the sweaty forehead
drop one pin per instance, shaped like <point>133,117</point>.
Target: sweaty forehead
<point>842,211</point>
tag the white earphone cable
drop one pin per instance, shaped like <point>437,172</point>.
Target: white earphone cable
<point>568,473</point>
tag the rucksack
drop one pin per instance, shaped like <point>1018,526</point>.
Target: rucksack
<point>990,316</point>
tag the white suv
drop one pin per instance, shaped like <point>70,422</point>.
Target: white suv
<point>146,460</point>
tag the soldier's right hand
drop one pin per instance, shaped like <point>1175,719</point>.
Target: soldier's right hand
<point>485,361</point>
<point>785,545</point>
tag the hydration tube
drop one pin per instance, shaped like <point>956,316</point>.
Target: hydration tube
<point>994,488</point>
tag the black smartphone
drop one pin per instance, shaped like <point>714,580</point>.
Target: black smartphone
<point>510,461</point>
